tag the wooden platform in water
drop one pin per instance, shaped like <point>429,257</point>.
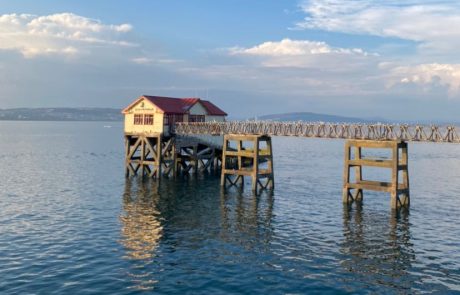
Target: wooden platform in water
<point>397,163</point>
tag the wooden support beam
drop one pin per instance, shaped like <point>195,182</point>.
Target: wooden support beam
<point>270,164</point>
<point>394,176</point>
<point>195,159</point>
<point>255,169</point>
<point>346,175</point>
<point>127,152</point>
<point>358,173</point>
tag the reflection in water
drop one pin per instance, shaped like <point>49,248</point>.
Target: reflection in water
<point>161,222</point>
<point>141,229</point>
<point>247,218</point>
<point>378,247</point>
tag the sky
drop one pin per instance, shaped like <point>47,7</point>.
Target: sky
<point>363,58</point>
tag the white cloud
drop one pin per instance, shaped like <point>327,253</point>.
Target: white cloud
<point>288,47</point>
<point>63,33</point>
<point>434,24</point>
<point>305,66</point>
<point>295,66</point>
<point>301,53</point>
<point>428,76</point>
<point>142,60</point>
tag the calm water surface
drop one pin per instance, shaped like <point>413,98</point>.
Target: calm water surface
<point>71,223</point>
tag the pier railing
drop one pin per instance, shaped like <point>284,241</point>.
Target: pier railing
<point>405,132</point>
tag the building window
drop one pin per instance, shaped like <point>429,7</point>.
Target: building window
<point>138,119</point>
<point>171,119</point>
<point>196,118</point>
<point>179,118</point>
<point>148,119</point>
<point>167,119</point>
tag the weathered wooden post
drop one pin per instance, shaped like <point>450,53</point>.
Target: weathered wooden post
<point>169,161</point>
<point>239,161</point>
<point>255,169</point>
<point>398,162</point>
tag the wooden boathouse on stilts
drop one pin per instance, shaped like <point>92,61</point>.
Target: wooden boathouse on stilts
<point>151,147</point>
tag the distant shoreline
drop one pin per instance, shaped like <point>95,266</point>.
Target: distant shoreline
<point>62,114</point>
<point>50,120</point>
<point>115,115</point>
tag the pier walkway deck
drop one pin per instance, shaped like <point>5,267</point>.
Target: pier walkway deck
<point>376,132</point>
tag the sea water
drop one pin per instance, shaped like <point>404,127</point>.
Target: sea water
<point>70,223</point>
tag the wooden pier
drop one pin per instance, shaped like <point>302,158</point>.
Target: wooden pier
<point>170,136</point>
<point>155,155</point>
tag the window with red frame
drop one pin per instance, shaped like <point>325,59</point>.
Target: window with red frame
<point>148,119</point>
<point>138,119</point>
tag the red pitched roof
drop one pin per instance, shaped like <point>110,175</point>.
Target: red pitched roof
<point>212,109</point>
<point>173,105</point>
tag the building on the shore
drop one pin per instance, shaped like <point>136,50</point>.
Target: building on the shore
<point>157,114</point>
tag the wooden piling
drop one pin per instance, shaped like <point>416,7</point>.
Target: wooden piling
<point>154,155</point>
<point>398,162</point>
<point>240,161</point>
<point>195,157</point>
<point>143,153</point>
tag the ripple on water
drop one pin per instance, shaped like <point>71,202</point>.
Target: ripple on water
<point>70,223</point>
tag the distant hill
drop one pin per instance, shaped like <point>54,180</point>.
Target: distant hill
<point>314,117</point>
<point>110,114</point>
<point>61,114</point>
